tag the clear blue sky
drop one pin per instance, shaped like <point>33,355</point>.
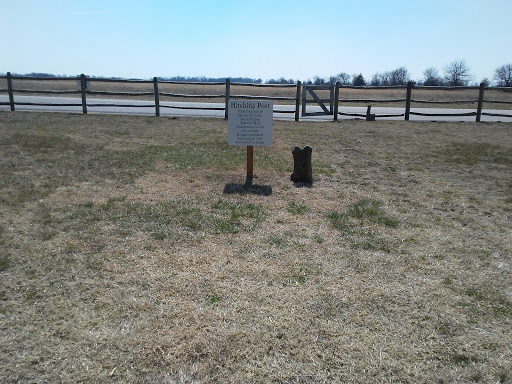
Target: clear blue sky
<point>264,39</point>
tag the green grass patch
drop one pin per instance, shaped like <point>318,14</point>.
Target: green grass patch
<point>463,359</point>
<point>232,216</point>
<point>213,299</point>
<point>359,221</point>
<point>4,263</point>
<point>279,240</point>
<point>299,276</point>
<point>322,168</point>
<point>473,153</point>
<point>163,219</point>
<point>38,164</point>
<point>485,301</point>
<point>216,154</point>
<point>196,156</point>
<point>371,210</point>
<point>297,208</point>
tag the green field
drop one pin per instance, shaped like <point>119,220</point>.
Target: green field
<point>122,259</point>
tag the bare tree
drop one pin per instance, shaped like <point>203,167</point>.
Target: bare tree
<point>332,80</point>
<point>457,73</point>
<point>343,78</point>
<point>318,80</point>
<point>376,80</point>
<point>431,77</point>
<point>385,78</point>
<point>503,75</point>
<point>400,76</point>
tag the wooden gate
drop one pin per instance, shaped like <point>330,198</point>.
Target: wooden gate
<point>310,89</point>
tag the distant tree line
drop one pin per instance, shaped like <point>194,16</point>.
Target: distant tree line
<point>204,79</point>
<point>174,78</point>
<point>457,73</point>
<point>41,75</point>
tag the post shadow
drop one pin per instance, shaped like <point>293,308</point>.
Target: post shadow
<point>247,188</point>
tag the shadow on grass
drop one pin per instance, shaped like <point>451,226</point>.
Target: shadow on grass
<point>300,184</point>
<point>247,188</point>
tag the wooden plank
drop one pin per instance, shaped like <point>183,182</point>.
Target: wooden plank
<point>250,162</point>
<point>320,102</point>
<point>227,96</point>
<point>443,88</point>
<point>374,86</point>
<point>297,101</point>
<point>408,101</point>
<point>317,114</point>
<point>498,101</point>
<point>265,85</point>
<point>11,95</point>
<point>198,108</point>
<point>444,114</point>
<point>262,97</point>
<point>133,81</point>
<point>46,78</point>
<point>157,97</point>
<point>191,82</point>
<point>319,87</point>
<point>121,105</point>
<point>120,93</point>
<point>495,114</point>
<point>192,96</point>
<point>304,94</point>
<point>336,100</point>
<point>373,100</point>
<point>445,102</point>
<point>331,98</point>
<point>83,89</point>
<point>315,102</point>
<point>51,104</point>
<point>480,102</point>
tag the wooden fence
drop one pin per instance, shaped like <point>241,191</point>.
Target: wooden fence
<point>84,90</point>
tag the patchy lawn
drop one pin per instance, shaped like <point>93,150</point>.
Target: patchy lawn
<point>122,259</point>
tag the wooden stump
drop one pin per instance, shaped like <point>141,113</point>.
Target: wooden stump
<point>302,169</point>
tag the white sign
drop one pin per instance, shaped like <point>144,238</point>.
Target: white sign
<point>250,122</point>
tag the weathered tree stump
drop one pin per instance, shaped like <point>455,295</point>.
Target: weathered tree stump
<point>302,169</point>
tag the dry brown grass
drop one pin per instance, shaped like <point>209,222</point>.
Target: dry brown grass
<point>122,260</point>
<point>470,96</point>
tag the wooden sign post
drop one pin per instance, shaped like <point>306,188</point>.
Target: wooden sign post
<point>250,162</point>
<point>250,124</point>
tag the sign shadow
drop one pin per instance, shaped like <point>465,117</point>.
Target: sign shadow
<point>247,188</point>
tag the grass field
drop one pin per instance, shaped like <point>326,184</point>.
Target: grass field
<point>122,259</point>
<point>466,99</point>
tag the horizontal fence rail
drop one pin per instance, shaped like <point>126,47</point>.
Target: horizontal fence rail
<point>372,100</point>
<point>84,85</point>
<point>409,99</point>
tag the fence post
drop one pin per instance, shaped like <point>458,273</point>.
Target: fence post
<point>336,100</point>
<point>83,87</point>
<point>9,90</point>
<point>408,101</point>
<point>297,101</point>
<point>480,102</point>
<point>157,96</point>
<point>228,87</point>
